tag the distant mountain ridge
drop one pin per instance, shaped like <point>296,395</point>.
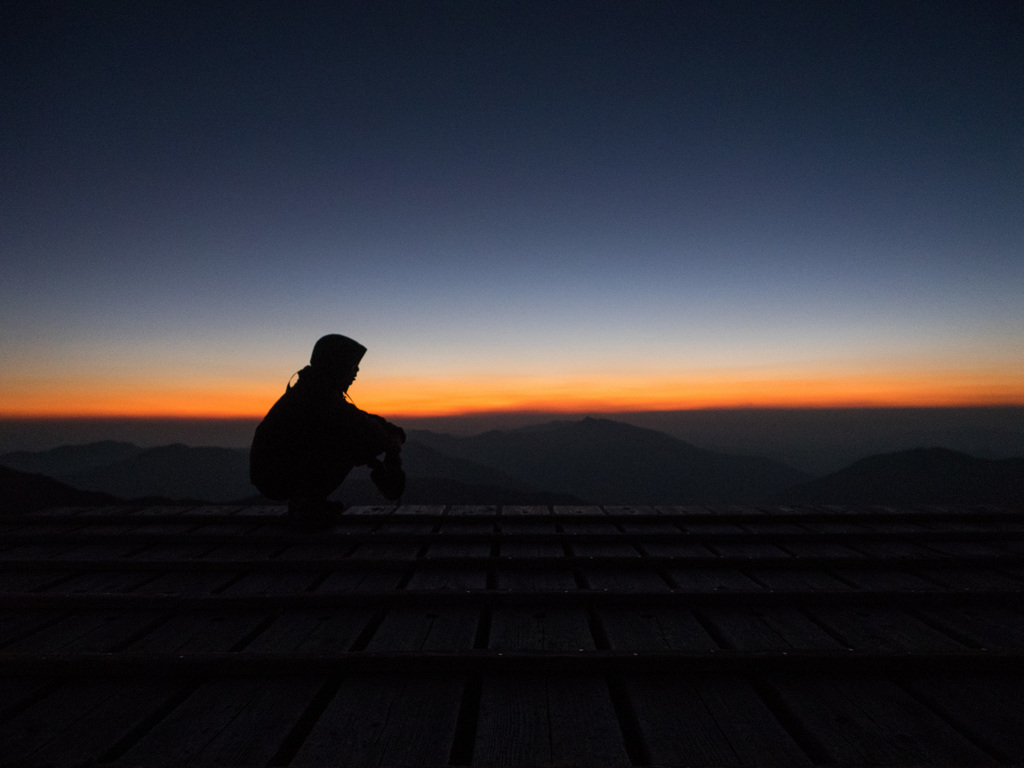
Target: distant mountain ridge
<point>593,461</point>
<point>609,462</point>
<point>68,460</point>
<point>128,471</point>
<point>921,475</point>
<point>25,491</point>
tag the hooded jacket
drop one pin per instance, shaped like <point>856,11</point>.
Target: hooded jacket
<point>314,436</point>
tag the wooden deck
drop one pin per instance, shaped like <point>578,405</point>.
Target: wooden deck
<point>519,636</point>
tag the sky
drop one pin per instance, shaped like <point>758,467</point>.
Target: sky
<point>555,206</point>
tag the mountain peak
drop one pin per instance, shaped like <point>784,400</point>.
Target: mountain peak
<point>917,475</point>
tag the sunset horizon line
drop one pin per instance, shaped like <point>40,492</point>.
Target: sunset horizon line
<point>553,411</point>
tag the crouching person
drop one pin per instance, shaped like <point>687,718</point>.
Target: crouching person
<point>313,436</point>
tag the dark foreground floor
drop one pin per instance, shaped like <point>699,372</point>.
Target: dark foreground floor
<point>519,636</point>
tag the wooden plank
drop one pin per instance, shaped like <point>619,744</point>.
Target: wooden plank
<point>799,580</point>
<point>466,528</point>
<point>242,551</point>
<point>421,509</point>
<point>880,628</point>
<point>682,511</point>
<point>143,526</point>
<point>620,580</point>
<point>821,549</point>
<point>649,527</point>
<point>36,552</point>
<point>611,547</point>
<point>468,510</point>
<point>985,707</point>
<point>90,632</point>
<point>361,581</point>
<point>173,552</point>
<point>378,509</point>
<point>225,530</point>
<point>19,693</point>
<point>19,582</point>
<point>329,631</point>
<point>748,549</point>
<point>709,721</point>
<point>214,510</point>
<point>533,720</point>
<point>894,549</point>
<point>513,529</point>
<point>226,722</point>
<point>742,509</point>
<point>448,578</point>
<point>157,511</point>
<point>317,551</point>
<point>970,548</point>
<point>273,583</point>
<point>186,583</point>
<point>540,629</point>
<point>512,510</point>
<point>956,579</point>
<point>631,510</point>
<point>884,579</point>
<point>387,550</point>
<point>990,626</point>
<point>833,526</point>
<point>1013,572</point>
<point>265,510</point>
<point>50,512</point>
<point>705,525</point>
<point>383,549</point>
<point>603,549</point>
<point>582,511</point>
<point>677,549</point>
<point>51,528</point>
<point>198,633</point>
<point>236,528</point>
<point>868,720</point>
<point>713,580</point>
<point>1011,546</point>
<point>15,626</point>
<point>590,525</point>
<point>530,549</point>
<point>425,629</point>
<point>539,580</point>
<point>81,721</point>
<point>653,629</point>
<point>768,629</point>
<point>894,526</point>
<point>475,549</point>
<point>385,720</point>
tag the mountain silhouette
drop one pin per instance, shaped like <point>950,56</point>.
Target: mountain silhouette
<point>24,492</point>
<point>609,462</point>
<point>594,461</point>
<point>70,460</point>
<point>172,471</point>
<point>921,475</point>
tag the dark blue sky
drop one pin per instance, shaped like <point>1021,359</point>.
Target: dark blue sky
<point>512,200</point>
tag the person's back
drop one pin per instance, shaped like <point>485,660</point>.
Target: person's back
<point>313,436</point>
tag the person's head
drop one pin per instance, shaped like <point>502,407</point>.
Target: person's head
<point>335,359</point>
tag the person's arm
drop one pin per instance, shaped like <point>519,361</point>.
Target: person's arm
<point>367,434</point>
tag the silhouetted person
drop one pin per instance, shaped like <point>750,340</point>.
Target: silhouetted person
<point>313,436</point>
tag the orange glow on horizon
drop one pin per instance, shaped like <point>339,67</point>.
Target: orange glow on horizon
<point>410,397</point>
<point>821,392</point>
